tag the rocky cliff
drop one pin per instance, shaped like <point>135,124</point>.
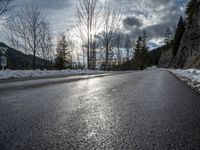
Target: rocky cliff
<point>189,51</point>
<point>166,58</point>
<point>188,55</point>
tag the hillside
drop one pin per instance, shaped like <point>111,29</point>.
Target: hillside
<point>188,52</point>
<point>19,60</point>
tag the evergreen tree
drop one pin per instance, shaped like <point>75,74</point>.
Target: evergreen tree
<point>63,58</point>
<point>191,9</point>
<point>137,64</point>
<point>141,58</point>
<point>59,62</point>
<point>178,35</point>
<point>145,50</point>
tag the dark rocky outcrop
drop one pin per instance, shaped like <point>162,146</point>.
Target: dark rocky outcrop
<point>189,51</point>
<point>188,54</point>
<point>166,57</point>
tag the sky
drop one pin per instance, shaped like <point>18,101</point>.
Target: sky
<point>153,16</point>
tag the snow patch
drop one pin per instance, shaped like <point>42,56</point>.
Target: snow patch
<point>8,74</point>
<point>190,76</point>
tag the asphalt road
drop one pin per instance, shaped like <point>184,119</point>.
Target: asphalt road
<point>141,110</point>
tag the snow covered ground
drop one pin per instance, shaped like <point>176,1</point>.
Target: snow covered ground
<point>9,74</point>
<point>190,76</point>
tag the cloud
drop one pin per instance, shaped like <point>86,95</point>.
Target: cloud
<point>131,22</point>
<point>59,12</point>
<point>153,16</point>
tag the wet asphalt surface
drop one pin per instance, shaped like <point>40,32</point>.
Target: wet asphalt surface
<point>149,110</point>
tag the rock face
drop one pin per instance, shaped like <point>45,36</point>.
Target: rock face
<point>166,58</point>
<point>155,56</point>
<point>188,55</point>
<point>189,51</point>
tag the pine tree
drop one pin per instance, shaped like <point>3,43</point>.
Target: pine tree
<point>191,9</point>
<point>141,57</point>
<point>145,50</point>
<point>178,35</point>
<point>63,58</point>
<point>137,64</point>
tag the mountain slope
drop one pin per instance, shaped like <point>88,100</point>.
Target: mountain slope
<point>19,60</point>
<point>189,51</point>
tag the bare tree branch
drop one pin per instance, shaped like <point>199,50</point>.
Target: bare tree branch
<point>111,18</point>
<point>5,6</point>
<point>28,27</point>
<point>87,12</point>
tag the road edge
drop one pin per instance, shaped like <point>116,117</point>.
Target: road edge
<point>185,82</point>
<point>18,85</point>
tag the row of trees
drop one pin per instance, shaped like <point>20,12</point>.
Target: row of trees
<point>30,31</point>
<point>97,28</point>
<point>109,27</point>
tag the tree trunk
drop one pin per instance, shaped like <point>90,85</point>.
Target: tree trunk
<point>34,60</point>
<point>106,64</point>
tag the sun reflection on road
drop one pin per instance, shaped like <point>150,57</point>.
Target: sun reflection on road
<point>90,110</point>
<point>99,110</point>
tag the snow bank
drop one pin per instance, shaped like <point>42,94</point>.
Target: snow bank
<point>7,74</point>
<point>191,76</point>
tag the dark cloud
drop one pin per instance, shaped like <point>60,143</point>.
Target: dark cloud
<point>155,15</point>
<point>131,22</point>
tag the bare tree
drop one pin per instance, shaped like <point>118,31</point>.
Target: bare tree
<point>5,6</point>
<point>87,13</point>
<point>46,44</point>
<point>111,18</point>
<point>12,38</point>
<point>27,26</point>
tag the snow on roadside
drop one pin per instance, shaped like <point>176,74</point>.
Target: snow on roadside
<point>8,74</point>
<point>190,76</point>
<point>152,68</point>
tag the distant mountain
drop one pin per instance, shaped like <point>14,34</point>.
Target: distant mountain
<point>19,60</point>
